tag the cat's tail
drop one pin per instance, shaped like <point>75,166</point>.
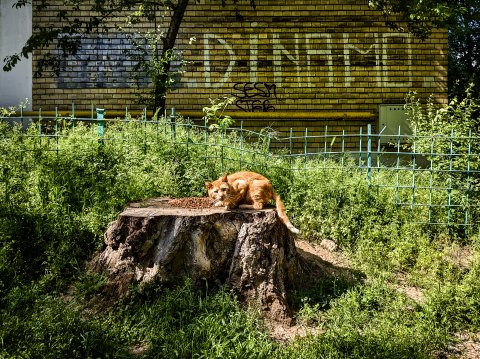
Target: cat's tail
<point>282,214</point>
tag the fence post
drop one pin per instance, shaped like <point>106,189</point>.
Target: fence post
<point>173,117</point>
<point>205,138</point>
<point>450,180</point>
<point>56,129</point>
<point>291,149</point>
<point>100,121</point>
<point>414,167</point>
<point>369,153</point>
<point>379,148</point>
<point>360,148</point>
<point>468,183</point>
<point>397,167</point>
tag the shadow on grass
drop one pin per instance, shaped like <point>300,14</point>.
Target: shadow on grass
<point>321,281</point>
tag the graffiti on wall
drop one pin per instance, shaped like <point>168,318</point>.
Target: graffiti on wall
<point>102,61</point>
<point>299,60</point>
<point>255,96</point>
<point>381,49</point>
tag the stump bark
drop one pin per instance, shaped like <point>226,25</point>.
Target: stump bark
<point>249,250</point>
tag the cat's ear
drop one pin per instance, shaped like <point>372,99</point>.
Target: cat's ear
<point>208,184</point>
<point>224,178</point>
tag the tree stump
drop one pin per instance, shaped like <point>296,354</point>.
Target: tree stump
<point>249,250</point>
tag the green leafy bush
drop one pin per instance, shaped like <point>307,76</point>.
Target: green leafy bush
<point>447,136</point>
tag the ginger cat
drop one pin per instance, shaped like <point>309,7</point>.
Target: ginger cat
<point>248,190</point>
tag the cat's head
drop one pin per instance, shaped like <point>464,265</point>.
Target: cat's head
<point>219,190</point>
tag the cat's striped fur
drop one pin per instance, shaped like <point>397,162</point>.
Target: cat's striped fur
<point>247,190</point>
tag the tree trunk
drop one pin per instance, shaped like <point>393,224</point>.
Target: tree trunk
<point>161,87</point>
<point>250,251</point>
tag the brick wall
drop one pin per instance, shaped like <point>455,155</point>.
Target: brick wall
<point>297,56</point>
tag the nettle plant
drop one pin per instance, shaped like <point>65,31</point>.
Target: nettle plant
<point>7,112</point>
<point>449,129</point>
<point>11,110</point>
<point>215,114</point>
<point>460,115</point>
<point>452,131</point>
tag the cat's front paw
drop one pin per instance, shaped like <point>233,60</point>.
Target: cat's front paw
<point>218,204</point>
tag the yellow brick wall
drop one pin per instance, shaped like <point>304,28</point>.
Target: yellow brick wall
<point>294,56</point>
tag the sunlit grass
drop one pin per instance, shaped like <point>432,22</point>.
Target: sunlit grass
<point>55,207</point>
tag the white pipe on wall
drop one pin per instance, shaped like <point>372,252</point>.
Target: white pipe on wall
<point>15,29</point>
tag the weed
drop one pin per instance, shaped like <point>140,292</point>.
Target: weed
<point>51,328</point>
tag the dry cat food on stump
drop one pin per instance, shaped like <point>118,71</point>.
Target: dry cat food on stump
<point>191,202</point>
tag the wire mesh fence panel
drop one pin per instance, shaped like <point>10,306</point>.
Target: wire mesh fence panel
<point>438,177</point>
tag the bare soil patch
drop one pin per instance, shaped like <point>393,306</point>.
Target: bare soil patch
<point>414,293</point>
<point>467,346</point>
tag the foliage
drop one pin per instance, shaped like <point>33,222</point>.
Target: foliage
<point>35,325</point>
<point>449,130</point>
<point>8,111</point>
<point>215,113</point>
<point>152,63</point>
<point>464,50</point>
<point>182,323</point>
<point>59,195</point>
<point>370,321</point>
<point>11,110</point>
<point>462,20</point>
<point>359,218</point>
<point>419,16</point>
<point>173,323</point>
<point>460,116</point>
<point>456,303</point>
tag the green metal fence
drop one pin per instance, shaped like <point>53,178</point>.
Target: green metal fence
<point>437,175</point>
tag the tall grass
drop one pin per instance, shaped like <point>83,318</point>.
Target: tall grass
<point>58,195</point>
